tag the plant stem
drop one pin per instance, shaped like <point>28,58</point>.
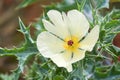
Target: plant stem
<point>82,77</point>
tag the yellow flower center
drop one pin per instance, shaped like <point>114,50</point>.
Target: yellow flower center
<point>71,43</point>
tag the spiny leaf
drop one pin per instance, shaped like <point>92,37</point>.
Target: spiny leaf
<point>102,72</point>
<point>116,14</point>
<point>58,77</point>
<point>13,51</point>
<point>25,3</point>
<point>65,5</point>
<point>28,49</point>
<point>112,24</point>
<point>117,49</point>
<point>22,61</point>
<point>22,53</point>
<point>112,29</point>
<point>26,33</point>
<point>99,4</point>
<point>25,49</point>
<point>81,4</point>
<point>6,77</point>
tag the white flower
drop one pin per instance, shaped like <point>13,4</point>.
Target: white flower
<point>66,39</point>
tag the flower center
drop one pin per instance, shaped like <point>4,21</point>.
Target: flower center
<point>70,43</point>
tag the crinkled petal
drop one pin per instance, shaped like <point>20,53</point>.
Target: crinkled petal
<point>56,17</point>
<point>72,57</point>
<point>58,31</point>
<point>67,58</point>
<point>78,55</point>
<point>79,24</point>
<point>48,44</point>
<point>61,62</point>
<point>69,68</point>
<point>90,40</point>
<point>58,27</point>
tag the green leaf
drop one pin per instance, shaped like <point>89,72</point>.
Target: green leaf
<point>102,35</point>
<point>112,28</point>
<point>35,72</point>
<point>26,32</point>
<point>99,4</point>
<point>28,47</point>
<point>81,5</point>
<point>22,58</point>
<point>58,77</point>
<point>78,73</point>
<point>115,14</point>
<point>25,3</point>
<point>112,25</point>
<point>102,72</point>
<point>22,53</point>
<point>65,5</point>
<point>117,49</point>
<point>6,77</point>
<point>117,67</point>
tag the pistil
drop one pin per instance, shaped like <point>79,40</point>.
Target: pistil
<point>70,43</point>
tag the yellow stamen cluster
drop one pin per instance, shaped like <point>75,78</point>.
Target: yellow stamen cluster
<point>71,43</point>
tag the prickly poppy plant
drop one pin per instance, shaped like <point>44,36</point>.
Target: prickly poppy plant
<point>73,41</point>
<point>63,41</point>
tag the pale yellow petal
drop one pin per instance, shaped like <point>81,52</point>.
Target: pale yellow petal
<point>56,17</point>
<point>59,60</point>
<point>79,24</point>
<point>90,40</point>
<point>72,57</point>
<point>78,55</point>
<point>49,45</point>
<point>58,26</point>
<point>62,59</point>
<point>69,68</point>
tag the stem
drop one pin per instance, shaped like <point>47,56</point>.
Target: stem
<point>82,77</point>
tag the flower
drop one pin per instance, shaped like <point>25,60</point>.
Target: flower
<point>66,39</point>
